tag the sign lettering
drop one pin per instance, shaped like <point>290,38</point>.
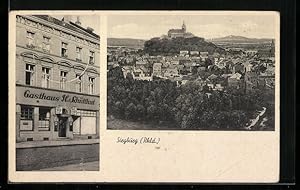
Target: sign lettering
<point>62,98</point>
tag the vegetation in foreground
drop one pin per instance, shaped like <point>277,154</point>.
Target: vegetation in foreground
<point>189,106</point>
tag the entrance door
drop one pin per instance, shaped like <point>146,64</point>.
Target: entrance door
<point>62,127</point>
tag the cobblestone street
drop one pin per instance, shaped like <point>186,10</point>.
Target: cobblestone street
<point>89,166</point>
<point>71,155</point>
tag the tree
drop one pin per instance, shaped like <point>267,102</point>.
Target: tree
<point>130,111</point>
<point>140,112</point>
<point>118,109</point>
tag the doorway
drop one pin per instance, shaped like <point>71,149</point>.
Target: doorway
<point>62,131</point>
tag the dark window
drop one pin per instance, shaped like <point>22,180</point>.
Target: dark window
<point>26,112</point>
<point>26,123</point>
<point>64,49</point>
<point>29,74</point>
<point>91,57</point>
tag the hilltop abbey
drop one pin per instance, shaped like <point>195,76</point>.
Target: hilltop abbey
<point>175,33</point>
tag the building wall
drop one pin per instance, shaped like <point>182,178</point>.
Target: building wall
<point>57,62</point>
<point>40,57</point>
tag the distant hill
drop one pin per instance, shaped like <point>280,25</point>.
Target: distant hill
<point>157,46</point>
<point>127,42</point>
<point>239,39</point>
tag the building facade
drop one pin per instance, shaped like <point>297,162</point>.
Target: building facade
<point>182,33</point>
<point>57,79</point>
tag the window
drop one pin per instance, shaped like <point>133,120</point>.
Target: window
<point>46,43</point>
<point>26,123</point>
<point>26,112</point>
<point>46,77</point>
<point>64,48</point>
<point>63,79</point>
<point>91,57</point>
<point>29,74</point>
<point>86,113</point>
<point>44,119</point>
<point>30,39</point>
<point>91,85</point>
<point>79,83</point>
<point>78,51</point>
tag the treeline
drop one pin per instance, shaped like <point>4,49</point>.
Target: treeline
<point>157,46</point>
<point>189,106</point>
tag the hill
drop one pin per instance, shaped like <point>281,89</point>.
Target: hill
<point>157,46</point>
<point>126,42</point>
<point>239,39</point>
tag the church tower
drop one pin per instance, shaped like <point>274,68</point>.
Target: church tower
<point>183,27</point>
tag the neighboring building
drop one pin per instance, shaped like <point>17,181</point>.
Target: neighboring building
<point>194,53</point>
<point>183,53</point>
<point>175,62</point>
<point>157,69</point>
<point>171,72</point>
<point>139,74</point>
<point>238,68</point>
<point>248,67</point>
<point>57,79</point>
<point>127,70</point>
<point>251,52</point>
<point>235,81</point>
<point>203,56</point>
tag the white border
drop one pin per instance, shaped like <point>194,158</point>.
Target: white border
<point>182,156</point>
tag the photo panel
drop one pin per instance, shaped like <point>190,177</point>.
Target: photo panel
<point>57,92</point>
<point>191,72</point>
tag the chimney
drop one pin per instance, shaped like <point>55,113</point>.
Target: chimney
<point>67,18</point>
<point>78,21</point>
<point>90,29</point>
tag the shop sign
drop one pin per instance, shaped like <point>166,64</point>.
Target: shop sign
<point>58,110</point>
<point>73,111</point>
<point>59,98</point>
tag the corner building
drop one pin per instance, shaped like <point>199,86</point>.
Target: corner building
<point>57,79</point>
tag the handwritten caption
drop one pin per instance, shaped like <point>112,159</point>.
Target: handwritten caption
<point>135,141</point>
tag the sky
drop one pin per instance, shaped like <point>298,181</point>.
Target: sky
<point>86,21</point>
<point>207,26</point>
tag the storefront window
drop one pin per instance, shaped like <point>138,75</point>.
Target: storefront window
<point>26,112</point>
<point>26,123</point>
<point>44,119</point>
<point>86,113</point>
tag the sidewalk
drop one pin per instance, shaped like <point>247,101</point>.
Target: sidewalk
<point>64,142</point>
<point>89,166</point>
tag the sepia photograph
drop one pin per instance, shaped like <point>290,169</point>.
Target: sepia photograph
<point>191,72</point>
<point>86,88</point>
<point>57,92</point>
